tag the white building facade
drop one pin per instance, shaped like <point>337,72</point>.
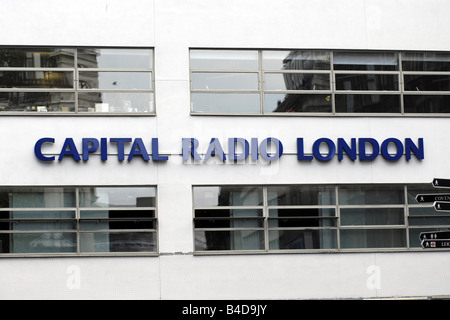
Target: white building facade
<point>117,176</point>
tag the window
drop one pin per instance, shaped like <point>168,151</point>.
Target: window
<point>312,218</point>
<point>84,220</point>
<point>76,81</point>
<point>319,82</point>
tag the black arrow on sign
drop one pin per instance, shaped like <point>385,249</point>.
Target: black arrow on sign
<point>441,206</point>
<point>430,198</point>
<point>441,183</point>
<point>434,235</point>
<point>431,244</point>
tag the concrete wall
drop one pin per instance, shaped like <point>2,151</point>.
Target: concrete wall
<point>172,27</point>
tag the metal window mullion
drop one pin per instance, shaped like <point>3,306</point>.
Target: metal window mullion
<point>332,83</point>
<point>338,216</point>
<point>76,82</point>
<point>401,83</point>
<point>266,219</point>
<point>406,215</point>
<point>77,217</point>
<point>261,83</point>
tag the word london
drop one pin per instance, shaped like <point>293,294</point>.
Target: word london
<point>323,149</point>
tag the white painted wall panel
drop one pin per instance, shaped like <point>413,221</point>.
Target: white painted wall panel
<point>172,27</point>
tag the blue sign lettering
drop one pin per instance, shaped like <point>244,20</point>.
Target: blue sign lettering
<point>92,145</point>
<point>239,149</point>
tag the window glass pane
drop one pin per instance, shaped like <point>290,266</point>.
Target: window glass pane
<point>226,102</point>
<point>318,103</point>
<point>427,82</point>
<point>371,194</point>
<point>294,218</point>
<point>228,213</point>
<point>115,58</point>
<point>367,103</point>
<point>117,197</point>
<point>37,101</point>
<point>297,81</point>
<point>39,197</point>
<point>425,210</point>
<point>36,79</point>
<point>296,60</point>
<point>115,80</point>
<point>372,216</point>
<point>36,58</point>
<point>301,195</point>
<point>227,196</point>
<point>229,240</point>
<point>118,242</point>
<point>217,223</point>
<point>37,214</point>
<point>372,238</point>
<point>302,239</point>
<point>47,242</point>
<point>368,82</point>
<point>49,225</point>
<point>425,61</point>
<point>427,103</point>
<point>228,218</point>
<point>224,59</point>
<point>383,61</point>
<point>115,102</point>
<point>415,189</point>
<point>125,214</point>
<point>237,81</point>
<point>430,221</point>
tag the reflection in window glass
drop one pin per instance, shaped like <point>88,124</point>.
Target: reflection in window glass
<point>214,80</point>
<point>117,197</point>
<point>367,82</point>
<point>117,242</point>
<point>227,196</point>
<point>383,61</point>
<point>115,58</point>
<point>425,61</point>
<point>371,194</point>
<point>372,216</point>
<point>302,239</point>
<point>301,195</point>
<point>314,103</point>
<point>37,101</point>
<point>226,102</point>
<point>367,103</point>
<point>38,197</point>
<point>36,79</point>
<point>427,82</point>
<point>115,80</point>
<point>118,220</point>
<point>296,60</point>
<point>426,103</point>
<point>313,217</point>
<point>297,81</point>
<point>60,85</point>
<point>224,59</point>
<point>115,102</point>
<point>372,238</point>
<point>36,58</point>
